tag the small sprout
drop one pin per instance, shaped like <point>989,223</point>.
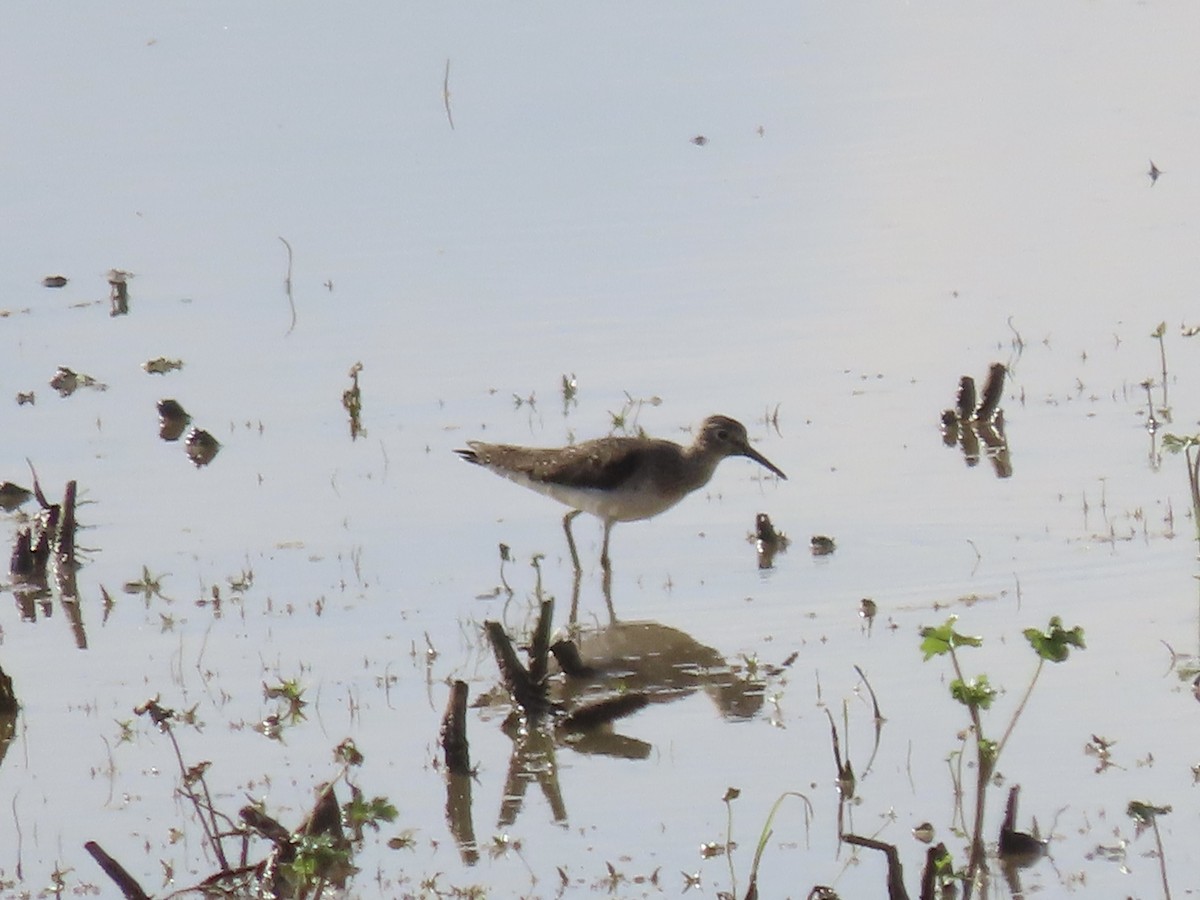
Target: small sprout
<point>291,692</point>
<point>159,715</point>
<point>348,753</point>
<point>1145,813</point>
<point>194,773</point>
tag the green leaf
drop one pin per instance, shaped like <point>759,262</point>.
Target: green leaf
<point>1055,643</point>
<point>976,693</point>
<point>941,639</point>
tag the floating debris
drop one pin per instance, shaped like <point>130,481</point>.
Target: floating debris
<point>924,833</point>
<point>699,140</point>
<point>352,403</point>
<point>201,447</point>
<point>173,420</point>
<point>867,609</point>
<point>26,398</point>
<point>1154,173</point>
<point>822,545</point>
<point>118,283</point>
<point>161,365</point>
<point>55,281</point>
<point>67,382</point>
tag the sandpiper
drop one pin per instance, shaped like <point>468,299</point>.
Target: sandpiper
<point>618,479</point>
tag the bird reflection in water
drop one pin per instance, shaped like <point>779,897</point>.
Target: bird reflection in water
<point>624,666</point>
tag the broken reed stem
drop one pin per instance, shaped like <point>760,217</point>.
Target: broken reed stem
<point>539,651</point>
<point>929,873</point>
<point>128,885</point>
<point>526,694</point>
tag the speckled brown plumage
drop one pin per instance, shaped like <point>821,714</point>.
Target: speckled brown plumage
<point>619,479</point>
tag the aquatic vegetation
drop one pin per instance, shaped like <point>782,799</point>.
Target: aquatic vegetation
<point>977,693</point>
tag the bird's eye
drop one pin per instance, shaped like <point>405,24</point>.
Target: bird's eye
<point>722,434</point>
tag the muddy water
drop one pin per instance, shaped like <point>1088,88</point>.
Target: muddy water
<point>882,204</point>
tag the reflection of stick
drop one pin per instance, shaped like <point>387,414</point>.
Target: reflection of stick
<point>895,875</point>
<point>66,526</point>
<point>992,393</point>
<point>454,731</point>
<point>287,285</point>
<point>871,691</point>
<point>446,95</point>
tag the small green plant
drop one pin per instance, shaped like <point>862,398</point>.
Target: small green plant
<point>1188,445</point>
<point>1051,645</point>
<point>304,863</point>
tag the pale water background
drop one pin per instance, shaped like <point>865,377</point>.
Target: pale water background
<point>888,195</point>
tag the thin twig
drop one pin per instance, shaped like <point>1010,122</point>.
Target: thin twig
<point>287,286</point>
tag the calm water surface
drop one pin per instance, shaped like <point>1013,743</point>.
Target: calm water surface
<point>885,199</point>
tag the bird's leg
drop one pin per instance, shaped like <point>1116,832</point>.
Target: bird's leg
<point>571,539</point>
<point>604,561</point>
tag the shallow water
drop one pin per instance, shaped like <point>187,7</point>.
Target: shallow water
<point>887,199</point>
